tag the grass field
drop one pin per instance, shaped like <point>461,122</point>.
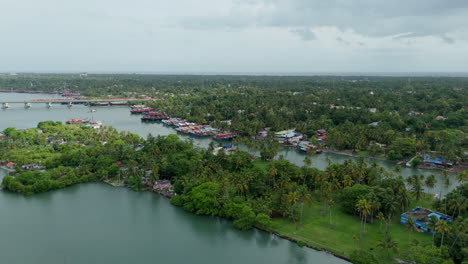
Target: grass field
<point>342,236</point>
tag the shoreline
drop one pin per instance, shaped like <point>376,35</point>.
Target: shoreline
<point>294,240</point>
<point>454,169</point>
<point>28,92</point>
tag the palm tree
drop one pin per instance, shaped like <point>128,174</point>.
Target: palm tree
<point>308,161</point>
<point>442,227</point>
<point>397,169</point>
<point>411,227</point>
<point>460,228</point>
<point>415,181</point>
<point>388,243</point>
<point>381,217</point>
<point>347,181</point>
<point>430,181</point>
<point>364,208</point>
<point>431,224</point>
<point>462,176</point>
<point>457,204</point>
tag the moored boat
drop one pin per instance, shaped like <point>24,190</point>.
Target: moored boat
<point>225,136</point>
<point>78,121</point>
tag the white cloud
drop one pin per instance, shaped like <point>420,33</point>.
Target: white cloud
<point>233,35</point>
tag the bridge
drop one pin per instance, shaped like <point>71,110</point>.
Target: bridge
<point>70,102</point>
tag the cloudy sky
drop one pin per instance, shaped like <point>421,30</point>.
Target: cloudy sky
<point>234,35</point>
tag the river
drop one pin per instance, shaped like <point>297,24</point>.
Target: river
<point>120,118</point>
<point>97,223</point>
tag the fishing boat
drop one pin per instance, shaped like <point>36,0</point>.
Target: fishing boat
<point>154,117</point>
<point>99,103</point>
<point>141,110</point>
<point>96,124</point>
<point>118,103</point>
<point>84,121</point>
<point>5,105</point>
<point>225,136</point>
<point>138,106</point>
<point>27,105</point>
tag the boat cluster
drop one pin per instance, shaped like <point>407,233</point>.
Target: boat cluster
<point>181,125</point>
<point>291,138</point>
<point>84,121</point>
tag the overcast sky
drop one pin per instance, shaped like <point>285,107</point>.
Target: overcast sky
<point>234,35</point>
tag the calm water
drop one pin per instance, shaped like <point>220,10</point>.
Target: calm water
<point>120,118</point>
<point>97,223</point>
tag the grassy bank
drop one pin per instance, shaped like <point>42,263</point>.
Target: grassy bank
<point>342,236</point>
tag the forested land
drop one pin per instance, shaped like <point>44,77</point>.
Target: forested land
<point>408,115</point>
<point>300,202</point>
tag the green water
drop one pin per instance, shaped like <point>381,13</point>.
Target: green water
<point>120,118</point>
<point>98,223</point>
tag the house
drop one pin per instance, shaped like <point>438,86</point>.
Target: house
<point>415,113</point>
<point>440,118</point>
<point>421,217</point>
<point>321,135</point>
<point>374,124</point>
<point>33,166</point>
<point>373,110</point>
<point>262,135</point>
<point>431,158</point>
<point>164,187</point>
<point>10,165</point>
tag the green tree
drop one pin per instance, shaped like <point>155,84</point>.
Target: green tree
<point>246,218</point>
<point>387,243</point>
<point>428,255</point>
<point>442,227</point>
<point>363,257</point>
<point>410,227</point>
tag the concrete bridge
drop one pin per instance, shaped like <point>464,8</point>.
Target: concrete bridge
<point>70,102</point>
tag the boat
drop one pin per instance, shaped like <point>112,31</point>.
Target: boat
<point>154,116</point>
<point>98,103</point>
<point>118,103</point>
<point>92,111</point>
<point>225,136</point>
<point>27,105</point>
<point>141,110</point>
<point>307,147</point>
<point>94,124</point>
<point>5,105</point>
<point>84,121</point>
<point>138,106</point>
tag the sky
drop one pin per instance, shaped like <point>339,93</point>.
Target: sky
<point>234,36</point>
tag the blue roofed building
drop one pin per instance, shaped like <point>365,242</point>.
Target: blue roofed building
<point>421,217</point>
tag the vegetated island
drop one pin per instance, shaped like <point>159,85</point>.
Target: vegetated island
<point>351,210</point>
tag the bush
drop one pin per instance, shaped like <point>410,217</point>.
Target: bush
<point>416,162</point>
<point>363,257</point>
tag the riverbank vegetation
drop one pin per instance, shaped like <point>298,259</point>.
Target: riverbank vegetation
<point>387,117</point>
<point>351,209</point>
